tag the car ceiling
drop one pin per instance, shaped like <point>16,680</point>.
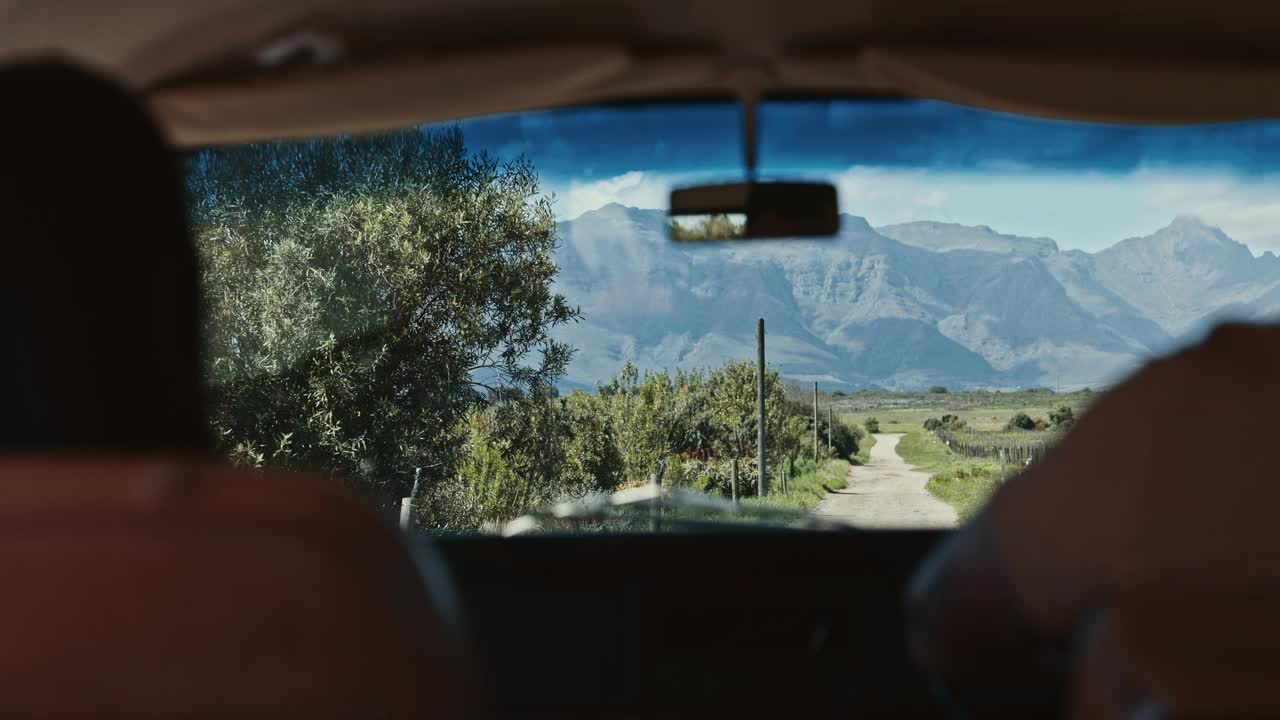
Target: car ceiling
<point>225,71</point>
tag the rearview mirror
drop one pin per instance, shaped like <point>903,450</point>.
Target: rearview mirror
<point>743,211</point>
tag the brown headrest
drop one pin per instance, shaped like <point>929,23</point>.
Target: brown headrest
<point>166,587</point>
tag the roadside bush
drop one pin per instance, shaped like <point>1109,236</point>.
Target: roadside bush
<point>846,439</point>
<point>592,460</point>
<point>1041,423</point>
<point>938,390</point>
<point>802,466</point>
<point>872,425</point>
<point>946,422</point>
<point>497,493</point>
<point>645,417</point>
<point>795,438</point>
<point>1020,421</point>
<point>717,475</point>
<point>1062,417</point>
<point>680,472</point>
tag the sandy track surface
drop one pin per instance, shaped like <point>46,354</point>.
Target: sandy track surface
<point>887,493</point>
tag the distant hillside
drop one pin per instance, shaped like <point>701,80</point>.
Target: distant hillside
<point>901,307</point>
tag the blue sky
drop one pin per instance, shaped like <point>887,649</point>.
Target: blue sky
<point>1085,185</point>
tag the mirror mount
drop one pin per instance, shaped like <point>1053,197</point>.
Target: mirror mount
<point>749,77</point>
<point>749,138</point>
<point>752,209</point>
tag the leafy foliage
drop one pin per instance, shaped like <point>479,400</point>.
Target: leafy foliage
<point>946,422</point>
<point>1062,417</point>
<point>1020,421</point>
<point>366,296</point>
<point>872,425</point>
<point>592,459</point>
<point>846,439</point>
<point>382,309</point>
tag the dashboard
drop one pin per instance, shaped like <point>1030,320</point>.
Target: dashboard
<point>767,624</point>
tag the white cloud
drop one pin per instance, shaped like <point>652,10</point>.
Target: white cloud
<point>934,200</point>
<point>884,196</point>
<point>635,189</point>
<point>1247,209</point>
<point>1090,211</point>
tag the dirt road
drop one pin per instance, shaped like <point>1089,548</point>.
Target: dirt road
<point>887,493</point>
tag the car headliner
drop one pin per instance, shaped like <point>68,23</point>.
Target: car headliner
<point>220,71</point>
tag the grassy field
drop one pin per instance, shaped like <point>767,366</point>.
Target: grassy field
<point>963,483</point>
<point>805,491</point>
<point>901,412</point>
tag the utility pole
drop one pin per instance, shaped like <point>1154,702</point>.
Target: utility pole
<point>406,504</point>
<point>829,426</point>
<point>733,477</point>
<point>762,482</point>
<point>815,422</point>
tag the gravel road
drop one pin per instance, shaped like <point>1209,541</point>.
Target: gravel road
<point>887,493</point>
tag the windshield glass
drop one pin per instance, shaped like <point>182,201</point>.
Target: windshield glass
<point>490,318</point>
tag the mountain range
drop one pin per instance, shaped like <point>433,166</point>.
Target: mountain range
<point>900,307</point>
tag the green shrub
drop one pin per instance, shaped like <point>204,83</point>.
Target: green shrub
<point>807,489</point>
<point>592,460</point>
<point>938,390</point>
<point>498,492</point>
<point>717,474</point>
<point>946,422</point>
<point>846,439</point>
<point>1062,417</point>
<point>1020,421</point>
<point>872,425</point>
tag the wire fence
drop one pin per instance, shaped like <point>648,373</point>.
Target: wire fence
<point>977,444</point>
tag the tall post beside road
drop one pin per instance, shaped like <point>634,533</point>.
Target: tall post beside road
<point>830,425</point>
<point>655,482</point>
<point>406,513</point>
<point>815,422</point>
<point>733,477</point>
<point>762,482</point>
<point>406,504</point>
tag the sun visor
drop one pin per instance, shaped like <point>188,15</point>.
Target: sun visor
<point>1090,88</point>
<point>385,95</point>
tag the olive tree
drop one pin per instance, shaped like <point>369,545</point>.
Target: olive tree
<point>364,296</point>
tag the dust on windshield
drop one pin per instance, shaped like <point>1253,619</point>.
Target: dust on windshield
<point>489,319</point>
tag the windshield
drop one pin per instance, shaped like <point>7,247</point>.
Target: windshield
<point>490,319</point>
